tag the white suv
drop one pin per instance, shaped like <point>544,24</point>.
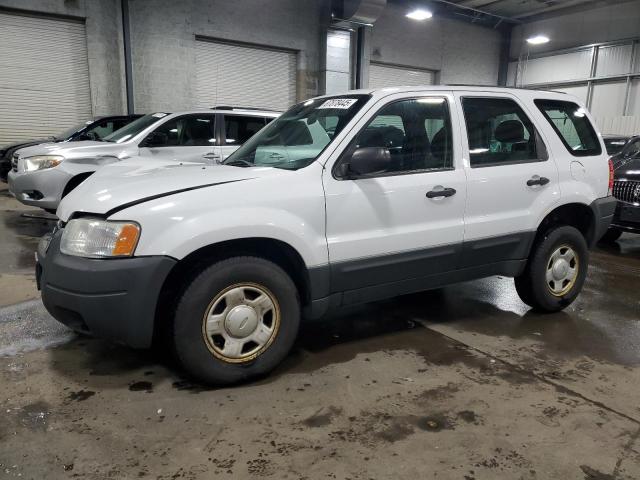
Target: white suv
<point>409,189</point>
<point>43,174</point>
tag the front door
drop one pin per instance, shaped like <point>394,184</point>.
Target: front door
<point>396,227</point>
<point>188,138</point>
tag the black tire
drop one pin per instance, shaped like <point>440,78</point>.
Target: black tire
<point>532,285</point>
<point>611,235</point>
<point>196,353</point>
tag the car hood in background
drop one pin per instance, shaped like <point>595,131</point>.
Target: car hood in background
<point>60,148</point>
<point>24,143</point>
<point>115,188</point>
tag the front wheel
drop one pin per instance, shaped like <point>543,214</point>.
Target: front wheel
<point>556,270</point>
<point>236,320</point>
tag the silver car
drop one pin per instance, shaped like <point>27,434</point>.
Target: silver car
<point>43,174</point>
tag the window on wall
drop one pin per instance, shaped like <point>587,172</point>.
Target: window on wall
<point>187,131</point>
<point>239,128</point>
<point>416,132</point>
<point>572,126</point>
<point>499,132</point>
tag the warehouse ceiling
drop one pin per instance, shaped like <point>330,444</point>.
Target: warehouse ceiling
<point>528,10</point>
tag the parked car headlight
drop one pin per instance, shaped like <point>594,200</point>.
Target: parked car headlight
<point>40,162</point>
<point>95,238</point>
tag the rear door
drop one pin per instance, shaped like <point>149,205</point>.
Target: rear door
<point>511,179</point>
<point>237,130</point>
<point>187,138</point>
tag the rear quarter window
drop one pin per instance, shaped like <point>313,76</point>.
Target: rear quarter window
<point>571,124</point>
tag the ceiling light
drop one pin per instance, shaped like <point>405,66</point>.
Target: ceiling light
<point>537,40</point>
<point>419,14</point>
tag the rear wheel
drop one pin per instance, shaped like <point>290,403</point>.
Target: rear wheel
<point>611,235</point>
<point>556,270</point>
<point>236,320</point>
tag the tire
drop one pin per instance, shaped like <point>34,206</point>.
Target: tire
<point>216,312</point>
<point>611,235</point>
<point>553,295</point>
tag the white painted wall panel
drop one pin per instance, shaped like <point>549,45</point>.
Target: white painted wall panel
<point>607,99</point>
<point>614,60</point>
<point>381,76</point>
<point>579,91</point>
<point>556,68</point>
<point>245,76</point>
<point>44,76</point>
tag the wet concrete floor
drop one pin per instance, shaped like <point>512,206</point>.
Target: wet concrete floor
<point>457,383</point>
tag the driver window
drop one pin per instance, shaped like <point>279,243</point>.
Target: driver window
<point>190,131</point>
<point>101,130</point>
<point>416,132</point>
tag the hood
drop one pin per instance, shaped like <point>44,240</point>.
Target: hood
<point>626,168</point>
<point>24,143</point>
<point>122,185</point>
<point>60,148</point>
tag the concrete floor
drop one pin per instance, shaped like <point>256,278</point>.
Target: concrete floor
<point>458,383</point>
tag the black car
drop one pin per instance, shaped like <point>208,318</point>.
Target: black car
<point>92,130</point>
<point>626,188</point>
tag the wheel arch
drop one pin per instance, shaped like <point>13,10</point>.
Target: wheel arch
<point>578,215</point>
<point>276,251</point>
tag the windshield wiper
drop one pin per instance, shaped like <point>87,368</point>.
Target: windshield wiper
<point>239,162</point>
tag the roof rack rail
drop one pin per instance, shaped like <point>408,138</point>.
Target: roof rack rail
<point>229,107</point>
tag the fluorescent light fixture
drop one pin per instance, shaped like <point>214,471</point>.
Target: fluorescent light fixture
<point>538,39</point>
<point>419,14</point>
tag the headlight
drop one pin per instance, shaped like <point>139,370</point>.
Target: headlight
<point>94,238</point>
<point>40,162</point>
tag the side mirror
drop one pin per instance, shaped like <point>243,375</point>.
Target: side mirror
<point>367,160</point>
<point>155,139</point>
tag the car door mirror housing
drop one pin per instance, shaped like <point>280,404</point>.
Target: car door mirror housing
<point>155,139</point>
<point>366,161</point>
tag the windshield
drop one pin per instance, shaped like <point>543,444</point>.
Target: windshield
<point>296,138</point>
<point>70,131</point>
<point>614,145</point>
<point>129,131</point>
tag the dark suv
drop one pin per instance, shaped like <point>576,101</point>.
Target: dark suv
<point>626,188</point>
<point>95,129</point>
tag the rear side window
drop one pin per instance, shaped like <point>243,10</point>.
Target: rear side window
<point>572,126</point>
<point>499,132</point>
<point>239,129</point>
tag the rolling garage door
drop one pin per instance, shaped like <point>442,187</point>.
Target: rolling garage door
<point>244,76</point>
<point>382,75</point>
<point>44,76</point>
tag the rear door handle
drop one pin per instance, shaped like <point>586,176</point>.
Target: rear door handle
<point>536,180</point>
<point>442,192</point>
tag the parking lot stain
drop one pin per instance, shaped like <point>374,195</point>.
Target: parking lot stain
<point>322,417</point>
<point>35,416</point>
<point>141,386</point>
<point>436,423</point>
<point>80,395</point>
<point>593,474</point>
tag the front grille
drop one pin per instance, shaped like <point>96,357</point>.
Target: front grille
<point>627,191</point>
<point>14,162</point>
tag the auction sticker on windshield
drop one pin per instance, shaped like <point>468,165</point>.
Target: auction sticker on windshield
<point>343,103</point>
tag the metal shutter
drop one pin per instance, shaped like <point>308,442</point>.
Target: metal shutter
<point>381,75</point>
<point>244,76</point>
<point>44,76</point>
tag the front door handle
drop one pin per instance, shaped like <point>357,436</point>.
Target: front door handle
<point>442,192</point>
<point>211,156</point>
<point>536,180</point>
